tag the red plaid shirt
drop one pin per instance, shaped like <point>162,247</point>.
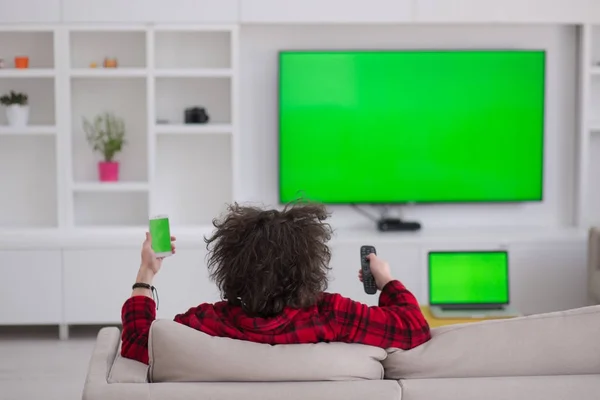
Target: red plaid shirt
<point>397,322</point>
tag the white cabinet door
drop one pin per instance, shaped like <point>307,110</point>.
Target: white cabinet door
<point>535,11</point>
<point>190,11</point>
<point>183,283</point>
<point>325,11</point>
<point>30,287</point>
<point>97,282</point>
<point>548,277</point>
<point>24,11</point>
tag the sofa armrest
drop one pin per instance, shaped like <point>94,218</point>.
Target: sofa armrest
<point>103,357</point>
<point>106,373</point>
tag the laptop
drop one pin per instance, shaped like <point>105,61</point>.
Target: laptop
<point>469,284</point>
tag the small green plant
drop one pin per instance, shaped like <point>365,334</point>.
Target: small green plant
<point>106,135</point>
<point>14,98</point>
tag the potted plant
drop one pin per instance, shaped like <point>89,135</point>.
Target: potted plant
<point>106,135</point>
<point>17,108</point>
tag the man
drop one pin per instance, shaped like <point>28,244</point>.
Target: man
<point>271,268</point>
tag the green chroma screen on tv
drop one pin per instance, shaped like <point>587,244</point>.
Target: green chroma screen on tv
<point>468,277</point>
<point>411,126</point>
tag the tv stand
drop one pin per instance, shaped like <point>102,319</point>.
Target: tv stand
<point>397,225</point>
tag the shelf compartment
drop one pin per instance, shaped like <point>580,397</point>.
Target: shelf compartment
<point>36,130</point>
<point>108,72</point>
<point>594,188</point>
<point>596,49</point>
<point>193,129</point>
<point>28,182</point>
<point>128,47</point>
<point>110,187</point>
<point>110,209</point>
<point>174,95</point>
<point>594,106</point>
<point>41,98</point>
<point>193,178</point>
<point>126,99</point>
<point>192,49</point>
<point>38,46</point>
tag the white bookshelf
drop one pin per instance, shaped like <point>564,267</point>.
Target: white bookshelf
<point>589,122</point>
<point>28,155</point>
<point>167,166</point>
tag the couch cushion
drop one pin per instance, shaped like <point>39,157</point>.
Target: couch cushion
<point>575,387</point>
<point>561,343</point>
<point>181,354</point>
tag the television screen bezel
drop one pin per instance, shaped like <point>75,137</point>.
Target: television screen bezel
<point>544,52</point>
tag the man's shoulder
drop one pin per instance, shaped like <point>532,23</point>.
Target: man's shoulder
<point>331,301</point>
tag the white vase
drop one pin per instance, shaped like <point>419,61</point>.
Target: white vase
<point>17,115</point>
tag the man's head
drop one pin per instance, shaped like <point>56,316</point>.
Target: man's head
<point>265,260</point>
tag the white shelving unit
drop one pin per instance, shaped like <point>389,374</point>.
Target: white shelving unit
<point>166,166</point>
<point>29,156</point>
<point>589,121</point>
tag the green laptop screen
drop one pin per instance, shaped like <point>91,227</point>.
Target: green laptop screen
<point>468,278</point>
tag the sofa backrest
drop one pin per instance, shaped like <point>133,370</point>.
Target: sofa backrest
<point>560,343</point>
<point>181,354</point>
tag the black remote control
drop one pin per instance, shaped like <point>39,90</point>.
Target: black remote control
<point>368,279</point>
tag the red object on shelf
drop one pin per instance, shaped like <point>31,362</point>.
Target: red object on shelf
<point>108,171</point>
<point>21,62</point>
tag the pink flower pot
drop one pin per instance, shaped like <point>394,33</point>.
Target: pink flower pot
<point>108,171</point>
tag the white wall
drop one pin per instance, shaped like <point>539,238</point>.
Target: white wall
<point>259,132</point>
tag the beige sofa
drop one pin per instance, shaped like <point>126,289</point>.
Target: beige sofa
<point>542,357</point>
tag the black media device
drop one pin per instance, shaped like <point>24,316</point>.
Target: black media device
<point>368,279</point>
<point>397,225</point>
<point>196,115</point>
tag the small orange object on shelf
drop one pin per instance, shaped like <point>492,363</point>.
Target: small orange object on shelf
<point>21,62</point>
<point>110,62</point>
<point>93,65</point>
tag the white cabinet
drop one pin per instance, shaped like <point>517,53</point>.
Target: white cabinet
<point>97,282</point>
<point>328,11</point>
<point>23,11</point>
<point>183,283</point>
<point>30,287</point>
<point>518,11</point>
<point>192,11</point>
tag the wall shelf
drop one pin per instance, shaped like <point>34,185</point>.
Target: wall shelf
<point>28,130</point>
<point>108,73</point>
<point>27,73</point>
<point>194,129</point>
<point>108,187</point>
<point>194,73</point>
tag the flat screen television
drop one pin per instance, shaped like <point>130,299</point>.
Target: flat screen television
<point>385,127</point>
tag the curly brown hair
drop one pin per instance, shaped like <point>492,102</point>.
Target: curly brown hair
<point>266,260</point>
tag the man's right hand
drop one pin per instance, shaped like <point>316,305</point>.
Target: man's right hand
<point>380,270</point>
